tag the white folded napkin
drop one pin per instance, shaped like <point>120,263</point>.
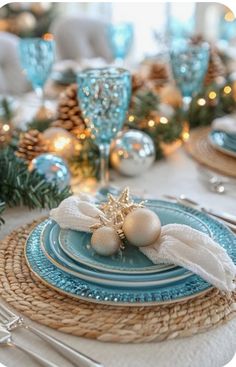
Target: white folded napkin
<point>226,124</point>
<point>178,244</point>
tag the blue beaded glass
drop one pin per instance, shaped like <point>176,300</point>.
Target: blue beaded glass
<point>120,37</point>
<point>189,64</point>
<point>37,57</point>
<point>104,96</point>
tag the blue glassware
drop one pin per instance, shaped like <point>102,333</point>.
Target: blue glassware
<point>104,96</point>
<point>37,57</point>
<point>120,38</point>
<point>189,65</point>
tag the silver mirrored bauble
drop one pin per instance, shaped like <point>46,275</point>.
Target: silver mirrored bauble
<point>132,152</point>
<point>53,168</point>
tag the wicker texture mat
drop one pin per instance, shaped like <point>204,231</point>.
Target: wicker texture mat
<point>201,150</point>
<point>22,290</point>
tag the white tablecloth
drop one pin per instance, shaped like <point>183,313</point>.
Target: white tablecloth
<point>176,175</point>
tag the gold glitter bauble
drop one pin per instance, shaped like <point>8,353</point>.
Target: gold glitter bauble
<point>105,241</point>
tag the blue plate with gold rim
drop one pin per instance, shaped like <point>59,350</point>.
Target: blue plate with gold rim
<point>85,290</point>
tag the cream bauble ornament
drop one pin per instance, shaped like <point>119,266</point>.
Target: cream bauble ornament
<point>60,141</point>
<point>25,22</point>
<point>142,227</point>
<point>105,241</point>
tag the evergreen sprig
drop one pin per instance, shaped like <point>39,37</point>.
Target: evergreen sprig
<point>18,186</point>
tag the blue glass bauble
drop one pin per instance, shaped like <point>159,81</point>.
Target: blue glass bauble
<point>53,168</point>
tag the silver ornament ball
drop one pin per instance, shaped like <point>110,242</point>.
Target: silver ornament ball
<point>132,152</point>
<point>53,168</point>
<point>105,241</point>
<point>142,227</point>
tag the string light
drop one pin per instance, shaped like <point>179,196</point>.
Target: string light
<point>6,127</point>
<point>48,37</point>
<point>131,118</point>
<point>227,89</point>
<point>229,16</point>
<point>201,102</point>
<point>151,123</point>
<point>163,120</point>
<point>212,95</point>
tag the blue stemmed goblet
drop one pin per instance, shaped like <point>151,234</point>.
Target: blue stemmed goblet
<point>120,37</point>
<point>104,96</point>
<point>189,64</point>
<point>37,57</point>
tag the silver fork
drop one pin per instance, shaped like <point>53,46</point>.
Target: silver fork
<point>10,321</point>
<point>6,340</point>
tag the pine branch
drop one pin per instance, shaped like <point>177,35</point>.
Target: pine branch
<point>18,186</point>
<point>2,208</point>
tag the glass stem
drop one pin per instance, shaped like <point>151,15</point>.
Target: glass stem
<point>104,164</point>
<point>41,96</point>
<point>186,106</point>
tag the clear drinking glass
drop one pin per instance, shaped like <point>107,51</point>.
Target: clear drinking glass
<point>104,96</point>
<point>189,64</point>
<point>37,57</point>
<point>120,37</point>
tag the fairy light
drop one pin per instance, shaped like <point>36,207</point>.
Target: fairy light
<point>229,16</point>
<point>227,89</point>
<point>6,128</point>
<point>212,95</point>
<point>131,118</point>
<point>201,101</point>
<point>61,143</point>
<point>163,120</point>
<point>151,123</point>
<point>48,37</point>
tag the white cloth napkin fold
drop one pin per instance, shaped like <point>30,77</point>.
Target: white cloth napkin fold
<point>178,244</point>
<point>226,124</point>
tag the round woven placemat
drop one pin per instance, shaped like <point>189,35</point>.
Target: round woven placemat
<point>201,150</point>
<point>22,290</point>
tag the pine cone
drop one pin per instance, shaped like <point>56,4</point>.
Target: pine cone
<point>31,145</point>
<point>137,82</point>
<point>69,113</point>
<point>216,68</point>
<point>158,72</point>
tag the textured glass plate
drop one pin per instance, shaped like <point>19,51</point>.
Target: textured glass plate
<point>222,142</point>
<point>51,248</point>
<point>77,245</point>
<point>75,287</point>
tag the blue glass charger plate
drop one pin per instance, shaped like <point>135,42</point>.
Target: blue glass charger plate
<point>77,245</point>
<point>51,248</point>
<point>87,291</point>
<point>223,142</point>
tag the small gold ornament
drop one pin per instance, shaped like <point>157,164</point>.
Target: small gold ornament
<point>105,241</point>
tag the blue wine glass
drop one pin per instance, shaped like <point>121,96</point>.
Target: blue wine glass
<point>104,96</point>
<point>120,37</point>
<point>37,57</point>
<point>189,64</point>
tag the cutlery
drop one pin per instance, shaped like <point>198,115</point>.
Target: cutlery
<point>228,219</point>
<point>6,341</point>
<point>10,321</point>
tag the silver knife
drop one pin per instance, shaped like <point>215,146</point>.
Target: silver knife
<point>229,219</point>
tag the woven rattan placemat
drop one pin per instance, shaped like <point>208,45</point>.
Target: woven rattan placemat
<point>201,150</point>
<point>22,290</point>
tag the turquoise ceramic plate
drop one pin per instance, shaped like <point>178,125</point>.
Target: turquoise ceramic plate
<point>51,248</point>
<point>77,245</point>
<point>223,142</point>
<point>85,290</point>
